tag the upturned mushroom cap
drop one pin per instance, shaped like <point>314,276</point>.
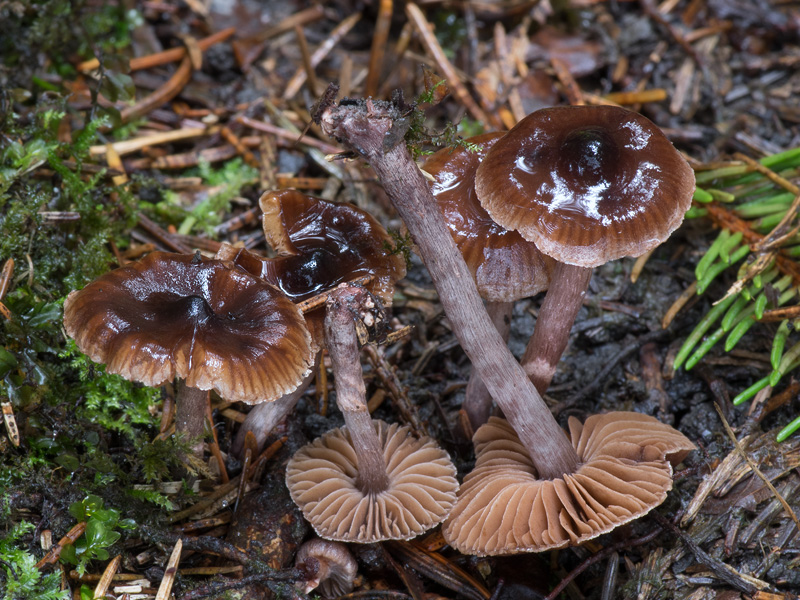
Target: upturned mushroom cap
<point>586,184</point>
<point>203,320</point>
<point>334,568</point>
<point>321,244</point>
<point>505,266</point>
<point>626,470</point>
<point>322,478</point>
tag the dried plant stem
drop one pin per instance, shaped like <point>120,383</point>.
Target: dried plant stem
<point>560,307</point>
<point>477,399</point>
<point>351,395</point>
<point>363,127</point>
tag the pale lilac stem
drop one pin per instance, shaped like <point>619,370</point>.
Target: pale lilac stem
<point>477,400</point>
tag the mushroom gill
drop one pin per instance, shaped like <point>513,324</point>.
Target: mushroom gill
<point>625,471</point>
<point>322,478</point>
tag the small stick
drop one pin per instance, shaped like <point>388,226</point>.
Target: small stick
<point>596,558</point>
<point>165,588</point>
<point>311,76</point>
<point>320,53</point>
<point>320,299</point>
<point>108,575</point>
<point>135,144</point>
<point>297,19</point>
<point>288,135</point>
<point>166,57</point>
<point>162,236</point>
<point>379,36</point>
<point>55,551</point>
<point>214,445</point>
<point>162,95</point>
<point>751,463</point>
<point>572,90</point>
<point>241,148</point>
<point>433,48</point>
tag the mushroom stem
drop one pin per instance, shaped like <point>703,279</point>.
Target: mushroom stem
<point>190,414</point>
<point>366,127</point>
<point>343,305</point>
<point>477,400</point>
<point>561,304</point>
<point>263,417</point>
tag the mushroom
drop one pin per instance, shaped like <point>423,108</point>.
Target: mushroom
<point>587,185</point>
<point>504,508</point>
<point>369,481</point>
<point>505,266</point>
<point>319,244</point>
<point>330,566</point>
<point>198,319</point>
<point>365,126</point>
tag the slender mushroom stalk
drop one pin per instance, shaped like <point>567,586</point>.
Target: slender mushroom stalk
<point>477,399</point>
<point>556,316</point>
<point>505,266</point>
<point>343,305</point>
<point>366,127</point>
<point>374,481</point>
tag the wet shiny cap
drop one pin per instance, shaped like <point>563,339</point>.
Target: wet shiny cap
<point>322,244</point>
<point>505,266</point>
<point>586,184</point>
<point>203,320</point>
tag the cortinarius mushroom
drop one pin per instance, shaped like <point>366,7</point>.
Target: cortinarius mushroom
<point>586,184</point>
<point>505,266</point>
<point>503,508</point>
<point>198,319</point>
<point>369,481</point>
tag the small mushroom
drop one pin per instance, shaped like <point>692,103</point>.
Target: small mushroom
<point>504,508</point>
<point>586,184</point>
<point>368,481</point>
<point>330,566</point>
<point>198,319</point>
<point>506,267</point>
<point>319,244</point>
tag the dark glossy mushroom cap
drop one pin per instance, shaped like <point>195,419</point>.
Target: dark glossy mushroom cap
<point>626,470</point>
<point>322,478</point>
<point>505,266</point>
<point>586,184</point>
<point>322,244</point>
<point>203,320</point>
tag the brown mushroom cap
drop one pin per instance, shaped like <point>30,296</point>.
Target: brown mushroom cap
<point>505,266</point>
<point>333,566</point>
<point>322,478</point>
<point>586,184</point>
<point>203,320</point>
<point>626,470</point>
<point>321,244</point>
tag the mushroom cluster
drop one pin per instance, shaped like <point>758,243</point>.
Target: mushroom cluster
<point>582,150</point>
